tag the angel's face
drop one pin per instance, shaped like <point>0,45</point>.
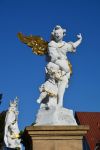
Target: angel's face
<point>58,35</point>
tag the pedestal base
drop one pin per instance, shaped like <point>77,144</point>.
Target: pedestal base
<point>55,137</point>
<point>55,116</point>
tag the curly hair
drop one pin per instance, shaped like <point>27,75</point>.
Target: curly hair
<point>57,27</point>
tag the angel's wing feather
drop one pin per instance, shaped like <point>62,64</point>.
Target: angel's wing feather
<point>38,44</point>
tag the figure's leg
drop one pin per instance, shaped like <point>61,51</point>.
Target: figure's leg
<point>42,96</point>
<point>63,64</point>
<point>52,101</point>
<point>61,89</point>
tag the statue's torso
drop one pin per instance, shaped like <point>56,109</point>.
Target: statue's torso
<point>59,48</point>
<point>57,52</point>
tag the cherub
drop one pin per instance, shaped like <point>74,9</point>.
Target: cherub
<point>50,87</point>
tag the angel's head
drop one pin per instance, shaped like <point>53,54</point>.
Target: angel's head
<point>58,33</point>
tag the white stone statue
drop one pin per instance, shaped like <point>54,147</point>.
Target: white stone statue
<point>57,50</point>
<point>58,71</point>
<point>11,134</point>
<point>49,90</point>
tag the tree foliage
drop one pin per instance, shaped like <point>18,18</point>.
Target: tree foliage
<point>2,125</point>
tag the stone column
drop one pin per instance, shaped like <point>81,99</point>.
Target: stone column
<point>55,137</point>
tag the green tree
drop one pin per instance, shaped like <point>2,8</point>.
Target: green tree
<point>2,125</point>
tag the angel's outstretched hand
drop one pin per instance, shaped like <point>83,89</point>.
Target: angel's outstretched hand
<point>79,36</point>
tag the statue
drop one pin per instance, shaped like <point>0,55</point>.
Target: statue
<point>49,90</point>
<point>11,134</point>
<point>58,69</point>
<point>57,50</point>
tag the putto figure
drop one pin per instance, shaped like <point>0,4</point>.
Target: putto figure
<point>49,89</point>
<point>11,135</point>
<point>58,69</point>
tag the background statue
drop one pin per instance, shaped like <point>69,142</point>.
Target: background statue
<point>11,135</point>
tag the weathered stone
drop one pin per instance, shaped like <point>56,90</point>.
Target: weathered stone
<point>55,116</point>
<point>55,137</point>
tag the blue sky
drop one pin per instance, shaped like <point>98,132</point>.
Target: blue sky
<point>21,72</point>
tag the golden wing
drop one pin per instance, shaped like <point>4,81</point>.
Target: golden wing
<point>38,44</point>
<point>70,67</point>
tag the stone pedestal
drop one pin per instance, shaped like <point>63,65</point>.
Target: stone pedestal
<point>55,137</point>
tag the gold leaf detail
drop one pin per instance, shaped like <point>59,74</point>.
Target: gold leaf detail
<point>38,44</point>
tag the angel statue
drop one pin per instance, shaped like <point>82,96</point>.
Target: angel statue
<point>58,69</point>
<point>11,134</point>
<point>56,49</point>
